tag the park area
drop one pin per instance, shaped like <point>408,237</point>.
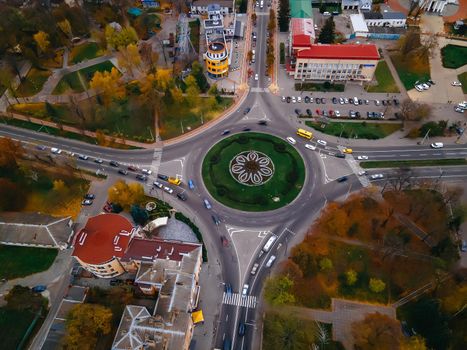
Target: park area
<point>253,172</point>
<point>385,80</point>
<point>18,262</point>
<point>33,82</point>
<point>357,130</point>
<point>454,56</point>
<point>84,52</point>
<point>366,248</point>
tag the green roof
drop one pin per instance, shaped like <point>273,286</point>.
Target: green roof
<point>300,9</point>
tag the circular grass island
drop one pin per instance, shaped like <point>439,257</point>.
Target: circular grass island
<point>253,172</point>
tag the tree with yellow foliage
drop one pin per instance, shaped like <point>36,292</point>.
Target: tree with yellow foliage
<point>109,84</point>
<point>65,27</point>
<point>42,40</point>
<point>129,58</point>
<point>192,91</point>
<point>377,331</point>
<point>120,38</point>
<point>126,194</point>
<point>84,324</point>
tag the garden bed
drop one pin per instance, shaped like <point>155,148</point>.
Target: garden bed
<point>363,130</point>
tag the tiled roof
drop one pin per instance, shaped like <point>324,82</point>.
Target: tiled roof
<point>35,229</point>
<point>303,32</point>
<point>149,249</point>
<point>300,9</point>
<point>105,236</point>
<point>352,52</point>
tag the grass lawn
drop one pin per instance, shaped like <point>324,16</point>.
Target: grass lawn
<point>175,117</point>
<point>454,56</point>
<point>194,33</point>
<point>71,82</point>
<point>24,261</point>
<point>33,82</point>
<point>363,130</point>
<point>463,79</point>
<point>410,73</point>
<point>13,326</point>
<point>281,189</point>
<point>412,163</point>
<point>83,52</point>
<point>385,80</point>
<point>319,87</point>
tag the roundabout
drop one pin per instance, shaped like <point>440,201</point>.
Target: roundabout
<point>253,172</point>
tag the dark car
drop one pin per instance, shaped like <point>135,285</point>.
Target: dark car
<point>318,101</point>
<point>98,161</point>
<point>227,344</point>
<point>228,288</point>
<point>246,129</point>
<point>288,99</point>
<point>241,329</point>
<point>342,179</point>
<point>216,219</point>
<point>308,111</point>
<point>89,196</point>
<point>384,102</point>
<point>370,114</point>
<point>114,163</point>
<point>263,122</point>
<point>297,111</point>
<point>358,114</point>
<point>340,155</point>
<point>225,132</point>
<point>396,102</point>
<point>41,147</point>
<point>360,102</point>
<point>431,82</point>
<point>123,172</point>
<point>307,99</point>
<point>141,177</point>
<point>247,110</point>
<point>389,102</point>
<point>132,168</point>
<point>182,196</point>
<point>334,100</point>
<point>323,100</point>
<point>163,177</point>
<point>83,157</point>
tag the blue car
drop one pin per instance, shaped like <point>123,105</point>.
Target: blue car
<point>39,289</point>
<point>191,184</point>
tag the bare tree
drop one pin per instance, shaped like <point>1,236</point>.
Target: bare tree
<point>400,180</point>
<point>414,111</point>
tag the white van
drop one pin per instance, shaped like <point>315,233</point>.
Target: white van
<point>261,4</point>
<point>269,243</point>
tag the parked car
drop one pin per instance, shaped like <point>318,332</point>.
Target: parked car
<point>225,241</point>
<point>89,196</point>
<point>283,99</point>
<point>254,269</point>
<point>334,100</point>
<point>376,176</point>
<point>337,113</point>
<point>377,103</point>
<point>297,111</point>
<point>308,111</point>
<point>362,172</point>
<point>299,99</point>
<point>86,202</point>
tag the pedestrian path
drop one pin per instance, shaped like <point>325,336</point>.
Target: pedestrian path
<point>356,168</point>
<point>237,299</point>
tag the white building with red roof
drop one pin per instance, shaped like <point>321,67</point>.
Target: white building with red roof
<point>334,62</point>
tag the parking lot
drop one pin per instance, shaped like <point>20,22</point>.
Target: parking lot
<point>343,107</point>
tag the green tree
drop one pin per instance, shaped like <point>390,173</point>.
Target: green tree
<point>139,215</point>
<point>197,73</point>
<point>192,91</point>
<point>283,16</point>
<point>278,291</point>
<point>325,264</point>
<point>122,38</point>
<point>327,34</point>
<point>84,324</point>
<point>350,277</point>
<point>285,332</point>
<point>376,285</point>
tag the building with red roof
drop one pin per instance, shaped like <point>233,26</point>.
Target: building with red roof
<point>302,34</point>
<point>333,62</point>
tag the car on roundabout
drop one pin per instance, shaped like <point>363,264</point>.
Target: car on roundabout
<point>291,140</point>
<point>322,142</point>
<point>207,204</point>
<point>310,147</point>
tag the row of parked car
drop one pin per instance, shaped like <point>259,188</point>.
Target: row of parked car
<point>339,100</point>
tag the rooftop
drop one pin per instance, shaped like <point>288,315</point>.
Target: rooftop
<point>352,52</point>
<point>222,3</point>
<point>35,229</point>
<point>300,9</point>
<point>149,249</point>
<point>303,32</point>
<point>105,236</point>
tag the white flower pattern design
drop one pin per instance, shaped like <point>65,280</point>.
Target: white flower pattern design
<point>251,168</point>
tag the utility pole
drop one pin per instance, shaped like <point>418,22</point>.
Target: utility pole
<point>425,137</point>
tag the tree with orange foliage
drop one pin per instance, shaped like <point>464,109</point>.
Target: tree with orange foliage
<point>377,331</point>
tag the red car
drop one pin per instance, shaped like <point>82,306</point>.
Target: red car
<point>225,241</point>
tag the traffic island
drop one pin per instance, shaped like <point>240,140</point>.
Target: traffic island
<point>253,172</point>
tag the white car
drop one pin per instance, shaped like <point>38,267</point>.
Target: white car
<point>376,176</point>
<point>437,145</point>
<point>341,101</point>
<point>459,109</point>
<point>337,113</point>
<point>377,102</point>
<point>294,100</point>
<point>55,150</point>
<point>299,99</point>
<point>168,190</point>
<point>362,157</point>
<point>157,184</point>
<point>245,290</point>
<point>362,172</point>
<point>254,268</point>
<point>307,145</point>
<point>456,83</point>
<point>425,86</point>
<point>256,76</point>
<point>291,140</point>
<point>146,171</point>
<point>322,142</point>
<point>271,261</point>
<point>419,88</point>
<point>346,100</point>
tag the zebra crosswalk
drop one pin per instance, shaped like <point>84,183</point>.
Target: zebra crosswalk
<point>236,299</point>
